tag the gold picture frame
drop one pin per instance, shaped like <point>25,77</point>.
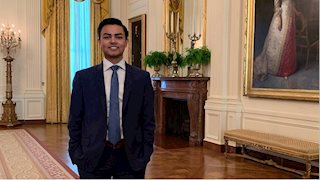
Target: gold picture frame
<point>137,41</point>
<point>260,61</point>
<point>182,18</point>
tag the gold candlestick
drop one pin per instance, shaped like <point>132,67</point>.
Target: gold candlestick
<point>9,42</point>
<point>194,38</point>
<point>172,37</point>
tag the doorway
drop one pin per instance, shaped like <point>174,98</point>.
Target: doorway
<point>137,39</point>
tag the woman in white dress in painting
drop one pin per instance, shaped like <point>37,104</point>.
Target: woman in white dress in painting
<point>278,56</point>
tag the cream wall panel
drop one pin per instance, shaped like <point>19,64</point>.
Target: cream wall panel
<point>226,37</point>
<point>217,40</point>
<point>233,120</point>
<point>212,128</point>
<point>33,46</point>
<point>283,126</point>
<point>291,118</point>
<point>225,43</point>
<point>235,50</point>
<point>43,64</point>
<point>34,95</point>
<point>34,105</point>
<point>134,1</point>
<point>34,109</point>
<point>14,12</point>
<point>155,29</point>
<point>115,8</point>
<point>19,73</point>
<point>230,117</point>
<point>136,8</point>
<point>27,66</point>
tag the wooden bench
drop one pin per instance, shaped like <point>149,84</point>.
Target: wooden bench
<point>305,150</point>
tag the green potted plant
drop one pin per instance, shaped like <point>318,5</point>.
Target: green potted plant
<point>155,59</point>
<point>197,57</point>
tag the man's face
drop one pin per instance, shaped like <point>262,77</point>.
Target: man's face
<point>113,42</point>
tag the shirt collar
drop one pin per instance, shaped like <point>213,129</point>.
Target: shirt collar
<point>107,64</point>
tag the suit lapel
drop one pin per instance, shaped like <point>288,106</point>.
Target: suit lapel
<point>127,86</point>
<point>101,89</point>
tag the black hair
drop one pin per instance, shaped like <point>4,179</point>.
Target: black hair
<point>112,21</point>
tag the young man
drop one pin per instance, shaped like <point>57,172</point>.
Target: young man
<point>111,121</point>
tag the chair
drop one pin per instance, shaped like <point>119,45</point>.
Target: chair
<point>308,38</point>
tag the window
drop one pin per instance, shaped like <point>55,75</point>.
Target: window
<point>79,36</point>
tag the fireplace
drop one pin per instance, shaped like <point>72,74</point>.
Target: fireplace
<point>177,118</point>
<point>191,90</point>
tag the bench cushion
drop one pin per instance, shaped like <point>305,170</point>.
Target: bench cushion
<point>279,143</point>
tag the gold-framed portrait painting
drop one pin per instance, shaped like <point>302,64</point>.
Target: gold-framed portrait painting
<point>137,41</point>
<point>282,49</point>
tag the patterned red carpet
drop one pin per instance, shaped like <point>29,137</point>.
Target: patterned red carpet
<point>22,157</point>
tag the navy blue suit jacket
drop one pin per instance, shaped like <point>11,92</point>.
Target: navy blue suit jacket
<point>88,117</point>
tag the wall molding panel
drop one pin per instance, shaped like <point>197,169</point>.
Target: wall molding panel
<point>306,128</point>
<point>34,105</point>
<point>27,66</point>
<point>29,106</point>
<point>34,109</point>
<point>212,126</point>
<point>136,8</point>
<point>223,114</point>
<point>226,107</point>
<point>33,45</point>
<point>282,114</point>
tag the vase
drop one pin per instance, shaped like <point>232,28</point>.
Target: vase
<point>195,71</point>
<point>156,69</point>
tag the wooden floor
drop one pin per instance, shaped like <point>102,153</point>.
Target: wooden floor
<point>173,158</point>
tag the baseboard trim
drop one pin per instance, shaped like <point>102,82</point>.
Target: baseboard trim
<point>220,148</point>
<point>36,121</point>
<point>212,146</point>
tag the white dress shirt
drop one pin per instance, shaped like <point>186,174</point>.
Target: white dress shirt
<point>107,73</point>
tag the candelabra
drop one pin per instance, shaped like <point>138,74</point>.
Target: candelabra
<point>194,38</point>
<point>9,41</point>
<point>173,37</point>
<point>193,70</point>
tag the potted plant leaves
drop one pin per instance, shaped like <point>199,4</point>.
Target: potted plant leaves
<point>155,59</point>
<point>197,57</point>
